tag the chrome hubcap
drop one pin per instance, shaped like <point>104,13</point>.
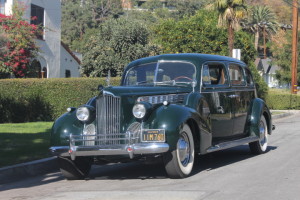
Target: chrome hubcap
<point>183,147</point>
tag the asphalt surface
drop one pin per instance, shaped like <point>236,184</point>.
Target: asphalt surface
<point>229,174</point>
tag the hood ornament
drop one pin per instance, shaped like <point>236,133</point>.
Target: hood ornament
<point>108,78</point>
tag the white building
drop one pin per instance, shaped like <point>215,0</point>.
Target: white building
<point>55,59</point>
<point>268,71</point>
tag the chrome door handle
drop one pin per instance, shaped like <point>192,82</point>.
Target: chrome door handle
<point>233,96</point>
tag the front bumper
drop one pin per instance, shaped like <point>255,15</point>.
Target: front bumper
<point>126,149</point>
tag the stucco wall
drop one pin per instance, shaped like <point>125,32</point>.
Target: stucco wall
<point>69,63</point>
<point>52,55</point>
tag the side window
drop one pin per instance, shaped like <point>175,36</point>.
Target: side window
<point>214,74</point>
<point>249,78</point>
<point>236,75</point>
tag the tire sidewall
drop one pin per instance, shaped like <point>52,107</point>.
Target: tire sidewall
<point>186,170</point>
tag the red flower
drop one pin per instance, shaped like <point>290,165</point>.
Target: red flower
<point>22,51</point>
<point>34,18</point>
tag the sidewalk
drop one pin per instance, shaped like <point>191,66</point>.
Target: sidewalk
<point>29,169</point>
<point>47,165</point>
<point>284,114</point>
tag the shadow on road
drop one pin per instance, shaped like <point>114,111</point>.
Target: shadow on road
<point>141,170</point>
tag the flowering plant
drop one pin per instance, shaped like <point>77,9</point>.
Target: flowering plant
<point>20,45</point>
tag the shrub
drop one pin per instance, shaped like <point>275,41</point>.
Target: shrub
<point>282,100</point>
<point>24,100</point>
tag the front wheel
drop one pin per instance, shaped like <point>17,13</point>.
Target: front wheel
<point>260,146</point>
<point>75,170</point>
<point>179,163</point>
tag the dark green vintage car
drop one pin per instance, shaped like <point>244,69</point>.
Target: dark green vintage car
<point>168,106</point>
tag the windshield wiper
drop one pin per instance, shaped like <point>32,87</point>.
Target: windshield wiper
<point>143,82</point>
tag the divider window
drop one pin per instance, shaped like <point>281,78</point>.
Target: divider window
<point>236,75</point>
<point>214,74</point>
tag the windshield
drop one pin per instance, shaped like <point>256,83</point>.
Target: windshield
<point>161,73</point>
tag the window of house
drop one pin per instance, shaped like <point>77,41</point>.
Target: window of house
<point>37,18</point>
<point>214,74</point>
<point>2,6</point>
<point>236,75</point>
<point>68,73</point>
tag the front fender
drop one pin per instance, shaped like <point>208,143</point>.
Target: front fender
<point>64,126</point>
<point>259,109</point>
<point>171,118</point>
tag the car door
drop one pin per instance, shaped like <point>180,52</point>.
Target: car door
<point>241,99</point>
<point>216,89</point>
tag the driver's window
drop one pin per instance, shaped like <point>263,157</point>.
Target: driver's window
<point>214,74</point>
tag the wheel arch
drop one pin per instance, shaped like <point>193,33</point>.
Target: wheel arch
<point>259,109</point>
<point>196,133</point>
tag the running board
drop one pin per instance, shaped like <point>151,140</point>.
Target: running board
<point>234,143</point>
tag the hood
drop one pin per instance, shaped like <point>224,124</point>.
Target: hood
<point>145,91</point>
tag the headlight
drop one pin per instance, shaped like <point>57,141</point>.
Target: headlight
<point>139,111</point>
<point>83,114</point>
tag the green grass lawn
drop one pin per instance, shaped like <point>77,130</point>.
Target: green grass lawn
<point>24,142</point>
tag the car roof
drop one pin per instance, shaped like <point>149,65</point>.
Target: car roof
<point>195,58</point>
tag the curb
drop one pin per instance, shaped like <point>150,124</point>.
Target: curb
<point>29,169</point>
<point>286,114</point>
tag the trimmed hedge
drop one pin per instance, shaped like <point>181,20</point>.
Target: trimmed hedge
<point>282,100</point>
<point>27,100</point>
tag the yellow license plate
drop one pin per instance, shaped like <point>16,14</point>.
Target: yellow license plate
<point>153,135</point>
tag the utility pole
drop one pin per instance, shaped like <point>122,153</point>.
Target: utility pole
<point>294,48</point>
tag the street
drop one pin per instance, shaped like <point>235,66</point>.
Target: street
<point>229,174</point>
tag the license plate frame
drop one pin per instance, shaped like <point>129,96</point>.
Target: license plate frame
<point>153,135</point>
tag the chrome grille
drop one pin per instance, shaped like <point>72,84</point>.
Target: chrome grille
<point>108,119</point>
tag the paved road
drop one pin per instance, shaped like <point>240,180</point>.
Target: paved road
<point>230,174</point>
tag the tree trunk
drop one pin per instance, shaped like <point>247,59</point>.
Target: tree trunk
<point>230,39</point>
<point>256,39</point>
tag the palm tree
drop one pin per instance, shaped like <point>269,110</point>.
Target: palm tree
<point>230,13</point>
<point>262,19</point>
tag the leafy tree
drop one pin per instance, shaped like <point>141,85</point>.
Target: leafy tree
<point>261,19</point>
<point>117,42</point>
<point>85,15</point>
<point>186,7</point>
<point>74,15</point>
<point>152,4</point>
<point>199,34</point>
<point>3,41</point>
<point>282,51</point>
<point>230,12</point>
<point>21,47</point>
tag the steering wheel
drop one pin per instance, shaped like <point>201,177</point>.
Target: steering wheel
<point>183,77</point>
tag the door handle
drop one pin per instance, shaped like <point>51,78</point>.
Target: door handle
<point>233,96</point>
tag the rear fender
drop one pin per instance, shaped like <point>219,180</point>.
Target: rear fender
<point>259,109</point>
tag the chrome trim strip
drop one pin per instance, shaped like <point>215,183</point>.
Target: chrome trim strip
<point>139,148</point>
<point>229,90</point>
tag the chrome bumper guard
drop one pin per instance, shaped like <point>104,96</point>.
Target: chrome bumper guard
<point>128,148</point>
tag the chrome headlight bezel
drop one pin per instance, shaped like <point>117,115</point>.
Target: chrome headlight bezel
<point>139,111</point>
<point>83,114</point>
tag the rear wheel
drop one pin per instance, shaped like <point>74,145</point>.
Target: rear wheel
<point>74,170</point>
<point>179,163</point>
<point>260,146</point>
